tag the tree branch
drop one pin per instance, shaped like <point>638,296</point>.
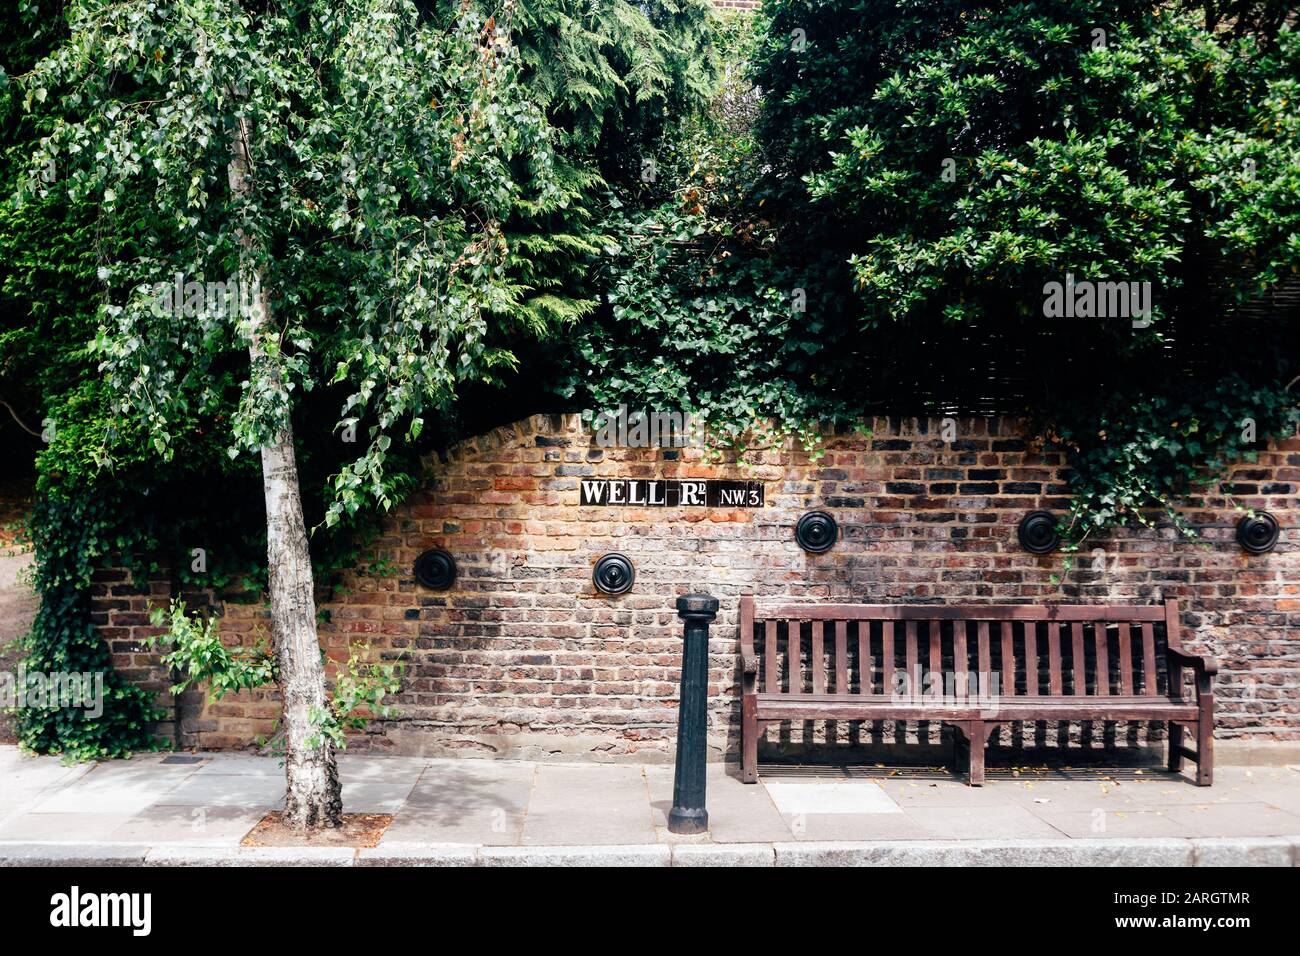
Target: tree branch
<point>21,423</point>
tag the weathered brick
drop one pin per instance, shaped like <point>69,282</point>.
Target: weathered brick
<point>524,657</point>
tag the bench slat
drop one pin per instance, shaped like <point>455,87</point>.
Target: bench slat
<point>818,658</point>
<point>913,655</point>
<point>960,655</point>
<point>887,658</point>
<point>1078,666</point>
<point>1008,660</point>
<point>936,653</point>
<point>1125,659</point>
<point>1103,658</point>
<point>842,657</point>
<point>794,656</point>
<point>1148,659</point>
<point>771,665</point>
<point>1054,659</point>
<point>1031,660</point>
<point>985,659</point>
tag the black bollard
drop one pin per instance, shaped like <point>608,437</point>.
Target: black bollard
<point>688,814</point>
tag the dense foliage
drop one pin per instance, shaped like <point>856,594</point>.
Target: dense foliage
<point>354,227</point>
<point>964,154</point>
<point>956,158</point>
<point>699,312</point>
<point>472,211</point>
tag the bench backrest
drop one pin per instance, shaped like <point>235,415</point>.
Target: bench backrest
<point>1003,649</point>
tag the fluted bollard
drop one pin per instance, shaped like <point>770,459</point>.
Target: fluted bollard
<point>688,814</point>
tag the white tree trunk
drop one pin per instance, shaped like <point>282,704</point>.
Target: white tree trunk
<point>313,797</point>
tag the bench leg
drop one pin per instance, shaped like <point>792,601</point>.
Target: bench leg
<point>1204,731</point>
<point>978,737</point>
<point>1204,754</point>
<point>749,739</point>
<point>1175,747</point>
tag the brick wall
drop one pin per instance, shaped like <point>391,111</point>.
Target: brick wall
<point>524,658</point>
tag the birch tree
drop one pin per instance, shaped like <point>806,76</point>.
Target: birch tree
<point>327,182</point>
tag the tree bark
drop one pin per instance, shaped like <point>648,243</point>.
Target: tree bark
<point>313,797</point>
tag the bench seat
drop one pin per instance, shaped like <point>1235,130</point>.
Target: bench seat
<point>922,663</point>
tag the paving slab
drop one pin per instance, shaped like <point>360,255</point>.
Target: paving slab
<point>946,793</point>
<point>819,797</point>
<point>62,827</point>
<point>381,769</point>
<point>417,827</point>
<point>1154,792</point>
<point>472,802</point>
<point>378,784</point>
<point>21,771</point>
<point>1101,822</point>
<point>981,823</point>
<point>375,796</point>
<point>1236,820</point>
<point>126,786</point>
<point>856,827</point>
<point>260,790</point>
<point>199,826</point>
<point>224,764</point>
<point>1129,794</point>
<point>599,804</point>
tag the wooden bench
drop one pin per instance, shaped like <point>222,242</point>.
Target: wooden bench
<point>976,667</point>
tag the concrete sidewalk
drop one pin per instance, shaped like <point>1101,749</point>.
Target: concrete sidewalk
<point>195,809</point>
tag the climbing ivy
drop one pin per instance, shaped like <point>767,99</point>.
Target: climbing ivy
<point>1135,462</point>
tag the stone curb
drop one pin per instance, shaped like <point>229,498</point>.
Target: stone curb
<point>415,854</point>
<point>1156,851</point>
<point>724,854</point>
<point>1162,852</point>
<point>648,854</point>
<point>1257,851</point>
<point>250,856</point>
<point>72,854</point>
<point>967,853</point>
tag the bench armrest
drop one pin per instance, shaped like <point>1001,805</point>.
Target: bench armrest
<point>749,671</point>
<point>1202,665</point>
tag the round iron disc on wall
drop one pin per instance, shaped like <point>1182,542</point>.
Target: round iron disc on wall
<point>816,532</point>
<point>435,569</point>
